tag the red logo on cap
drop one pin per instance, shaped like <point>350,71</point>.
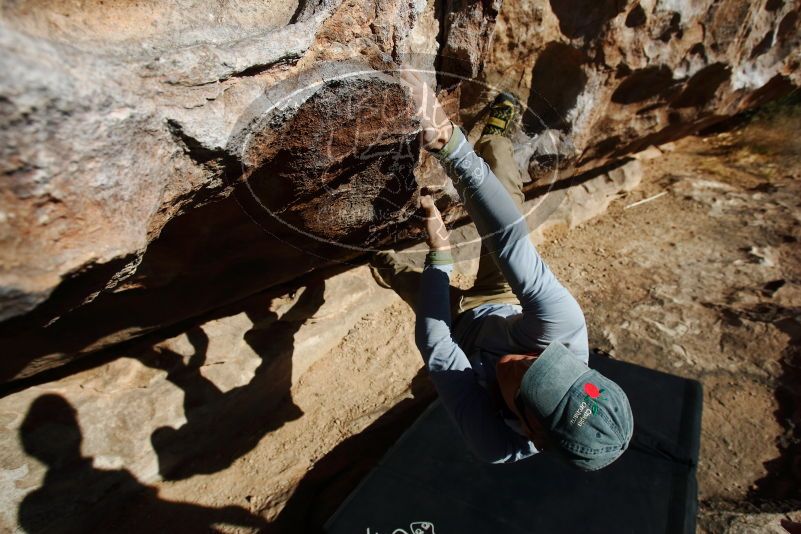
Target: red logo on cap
<point>592,390</point>
<point>593,393</point>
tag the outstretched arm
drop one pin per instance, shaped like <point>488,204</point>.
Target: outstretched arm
<point>550,313</point>
<point>465,399</point>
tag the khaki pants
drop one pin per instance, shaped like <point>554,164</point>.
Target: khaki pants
<point>490,286</point>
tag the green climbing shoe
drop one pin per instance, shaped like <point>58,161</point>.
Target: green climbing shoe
<point>502,114</point>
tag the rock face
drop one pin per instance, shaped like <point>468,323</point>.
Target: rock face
<point>163,161</point>
<point>188,406</point>
<point>141,169</point>
<point>613,77</point>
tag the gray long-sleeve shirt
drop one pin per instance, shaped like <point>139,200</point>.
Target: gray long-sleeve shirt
<point>461,361</point>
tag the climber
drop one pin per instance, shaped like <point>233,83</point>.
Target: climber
<point>512,367</point>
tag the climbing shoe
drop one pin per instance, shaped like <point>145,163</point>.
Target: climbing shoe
<point>502,114</point>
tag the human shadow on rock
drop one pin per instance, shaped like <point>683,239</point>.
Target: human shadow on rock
<point>76,497</point>
<point>222,426</point>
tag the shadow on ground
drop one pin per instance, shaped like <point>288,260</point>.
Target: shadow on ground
<point>76,496</point>
<point>223,426</point>
<point>783,481</point>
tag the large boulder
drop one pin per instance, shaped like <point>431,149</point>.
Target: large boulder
<point>162,161</point>
<point>153,176</point>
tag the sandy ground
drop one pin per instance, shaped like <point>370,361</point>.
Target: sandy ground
<point>703,281</point>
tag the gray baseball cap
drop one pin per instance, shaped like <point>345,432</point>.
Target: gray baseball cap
<point>588,415</point>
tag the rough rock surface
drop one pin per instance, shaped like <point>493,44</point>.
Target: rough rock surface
<point>161,161</point>
<point>745,523</point>
<point>190,405</point>
<point>612,77</point>
<point>125,160</point>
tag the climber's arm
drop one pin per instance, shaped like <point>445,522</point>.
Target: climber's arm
<point>550,313</point>
<point>466,401</point>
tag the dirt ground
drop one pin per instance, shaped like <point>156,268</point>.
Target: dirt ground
<point>703,280</point>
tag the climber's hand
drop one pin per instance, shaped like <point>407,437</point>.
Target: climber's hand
<point>438,234</point>
<point>437,128</point>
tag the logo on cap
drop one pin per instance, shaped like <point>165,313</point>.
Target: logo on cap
<point>593,395</point>
<point>589,405</point>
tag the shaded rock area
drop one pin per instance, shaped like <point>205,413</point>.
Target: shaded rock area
<point>162,161</point>
<point>191,407</point>
<point>141,169</point>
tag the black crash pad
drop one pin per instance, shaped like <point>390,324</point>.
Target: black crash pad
<point>429,482</point>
